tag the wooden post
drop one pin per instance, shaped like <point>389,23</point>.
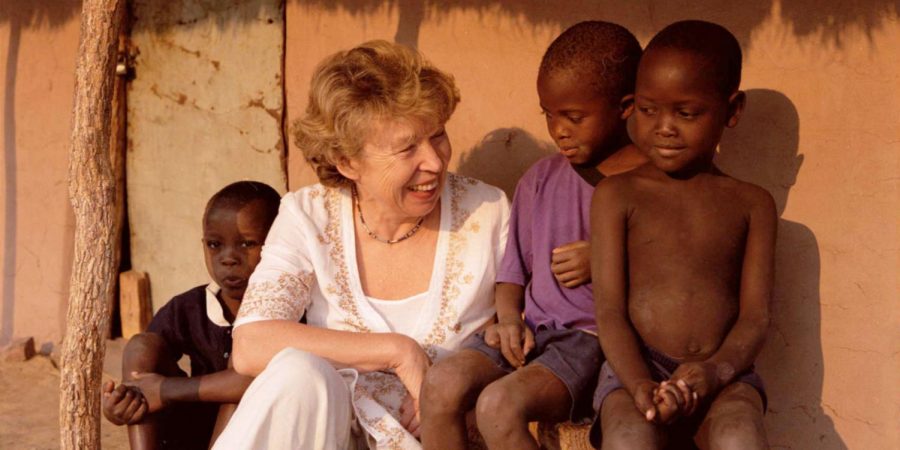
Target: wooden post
<point>92,192</point>
<point>134,302</point>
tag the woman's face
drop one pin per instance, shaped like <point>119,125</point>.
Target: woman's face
<point>402,167</point>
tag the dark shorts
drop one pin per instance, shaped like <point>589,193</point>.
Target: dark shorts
<point>661,368</point>
<point>187,425</point>
<point>574,356</point>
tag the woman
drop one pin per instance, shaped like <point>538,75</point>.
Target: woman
<point>391,258</point>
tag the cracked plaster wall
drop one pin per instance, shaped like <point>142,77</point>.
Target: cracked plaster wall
<point>204,110</point>
<point>820,133</point>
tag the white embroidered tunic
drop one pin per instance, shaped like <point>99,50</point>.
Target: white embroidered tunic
<point>309,265</point>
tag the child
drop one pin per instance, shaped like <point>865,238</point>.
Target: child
<point>545,367</point>
<point>196,323</point>
<point>682,260</point>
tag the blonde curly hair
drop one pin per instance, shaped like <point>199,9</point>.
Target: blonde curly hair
<point>352,89</point>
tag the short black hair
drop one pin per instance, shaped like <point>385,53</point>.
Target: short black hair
<point>711,42</point>
<point>604,54</point>
<point>239,194</point>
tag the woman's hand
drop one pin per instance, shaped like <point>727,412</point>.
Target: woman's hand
<point>411,363</point>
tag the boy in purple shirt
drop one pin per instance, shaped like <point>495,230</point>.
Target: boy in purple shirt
<point>544,368</point>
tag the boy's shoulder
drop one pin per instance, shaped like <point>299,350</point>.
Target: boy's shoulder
<point>184,309</point>
<point>543,170</point>
<point>192,295</point>
<point>545,166</point>
<point>639,177</point>
<point>752,195</point>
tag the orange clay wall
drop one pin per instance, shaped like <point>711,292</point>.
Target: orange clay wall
<point>820,132</point>
<point>38,45</point>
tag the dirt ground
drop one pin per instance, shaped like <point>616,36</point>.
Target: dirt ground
<point>29,408</point>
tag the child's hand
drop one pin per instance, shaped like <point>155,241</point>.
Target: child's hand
<point>673,400</point>
<point>643,399</point>
<point>698,377</point>
<point>122,405</point>
<point>571,263</point>
<point>513,338</point>
<point>150,385</point>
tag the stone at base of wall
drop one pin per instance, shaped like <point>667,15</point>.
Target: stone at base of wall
<point>19,350</point>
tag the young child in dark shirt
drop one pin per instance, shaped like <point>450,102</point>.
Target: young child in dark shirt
<point>162,407</point>
<point>682,260</point>
<point>544,367</point>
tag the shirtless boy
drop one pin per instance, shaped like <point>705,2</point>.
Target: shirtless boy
<point>162,407</point>
<point>682,260</point>
<point>545,367</point>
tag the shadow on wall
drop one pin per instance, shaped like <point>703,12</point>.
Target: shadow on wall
<point>502,157</point>
<point>826,21</point>
<point>764,149</point>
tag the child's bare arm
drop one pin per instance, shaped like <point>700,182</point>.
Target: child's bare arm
<point>149,366</point>
<point>743,343</point>
<point>609,274</point>
<point>226,386</point>
<point>510,334</point>
<point>570,263</point>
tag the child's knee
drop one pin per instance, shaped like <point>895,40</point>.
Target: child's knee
<point>499,403</point>
<point>147,352</point>
<point>735,419</point>
<point>446,387</point>
<point>622,426</point>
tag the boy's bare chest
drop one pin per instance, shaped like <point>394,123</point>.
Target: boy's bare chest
<point>699,220</point>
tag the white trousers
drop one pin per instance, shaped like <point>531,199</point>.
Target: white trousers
<point>298,402</point>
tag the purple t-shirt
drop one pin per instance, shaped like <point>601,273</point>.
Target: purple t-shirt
<point>551,207</point>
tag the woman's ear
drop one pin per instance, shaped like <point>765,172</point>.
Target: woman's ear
<point>736,104</point>
<point>626,106</point>
<point>347,167</point>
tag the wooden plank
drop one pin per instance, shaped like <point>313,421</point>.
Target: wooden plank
<point>134,302</point>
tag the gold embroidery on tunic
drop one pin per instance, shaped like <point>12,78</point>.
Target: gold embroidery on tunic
<point>285,298</point>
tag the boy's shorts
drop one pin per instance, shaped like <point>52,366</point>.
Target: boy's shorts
<point>661,368</point>
<point>574,356</point>
<point>187,425</point>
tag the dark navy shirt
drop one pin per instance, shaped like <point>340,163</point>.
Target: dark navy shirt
<point>193,324</point>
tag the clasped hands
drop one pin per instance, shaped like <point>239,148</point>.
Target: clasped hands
<point>679,396</point>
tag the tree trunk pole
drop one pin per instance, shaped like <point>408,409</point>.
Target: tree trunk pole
<point>92,192</point>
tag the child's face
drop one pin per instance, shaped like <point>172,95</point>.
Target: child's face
<point>232,241</point>
<point>679,112</point>
<point>585,124</point>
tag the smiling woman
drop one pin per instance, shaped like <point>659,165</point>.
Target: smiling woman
<point>391,258</point>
